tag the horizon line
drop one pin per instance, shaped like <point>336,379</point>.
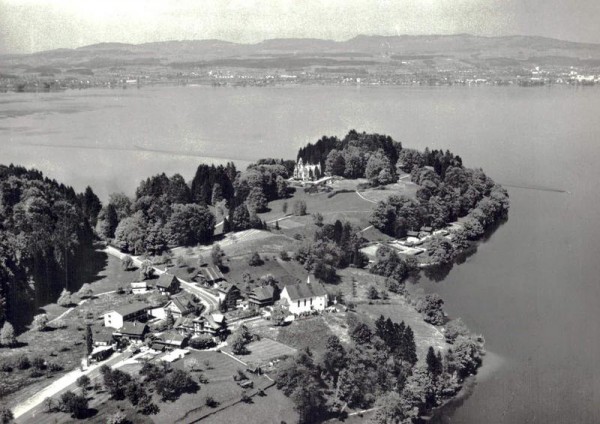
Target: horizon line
<point>459,34</point>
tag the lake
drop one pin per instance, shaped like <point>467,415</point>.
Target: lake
<point>532,289</point>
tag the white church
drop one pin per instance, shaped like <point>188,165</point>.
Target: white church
<point>307,172</point>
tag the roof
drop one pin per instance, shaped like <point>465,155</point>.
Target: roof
<point>171,337</point>
<point>184,322</point>
<point>139,284</point>
<point>412,233</point>
<point>165,280</point>
<point>212,273</point>
<point>183,302</point>
<point>427,229</point>
<point>263,293</point>
<point>133,328</point>
<point>129,309</point>
<point>226,287</point>
<point>305,290</point>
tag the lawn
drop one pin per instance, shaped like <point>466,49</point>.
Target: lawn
<point>311,332</point>
<point>274,408</point>
<point>265,350</point>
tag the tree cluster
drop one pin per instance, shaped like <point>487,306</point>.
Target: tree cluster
<point>45,236</point>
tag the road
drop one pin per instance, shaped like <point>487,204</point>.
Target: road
<point>26,411</point>
<point>210,301</point>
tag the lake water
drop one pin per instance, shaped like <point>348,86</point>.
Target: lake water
<point>532,289</point>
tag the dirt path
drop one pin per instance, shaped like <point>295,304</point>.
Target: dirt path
<point>364,198</point>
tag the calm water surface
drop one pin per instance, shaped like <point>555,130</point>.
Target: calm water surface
<point>532,289</point>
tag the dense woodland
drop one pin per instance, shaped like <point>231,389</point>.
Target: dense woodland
<point>45,238</point>
<point>377,368</point>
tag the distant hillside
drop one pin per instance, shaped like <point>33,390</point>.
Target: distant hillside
<point>433,50</point>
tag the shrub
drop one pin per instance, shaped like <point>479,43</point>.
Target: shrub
<point>23,362</point>
<point>40,322</point>
<point>126,262</point>
<point>299,208</point>
<point>54,367</point>
<point>5,366</point>
<point>255,259</point>
<point>210,402</point>
<point>50,405</point>
<point>284,255</point>
<point>38,363</point>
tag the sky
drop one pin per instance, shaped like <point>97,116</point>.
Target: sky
<point>28,26</point>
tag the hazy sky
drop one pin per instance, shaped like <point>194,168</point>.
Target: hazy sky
<point>34,25</point>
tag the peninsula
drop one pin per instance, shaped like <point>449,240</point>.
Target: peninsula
<point>287,290</point>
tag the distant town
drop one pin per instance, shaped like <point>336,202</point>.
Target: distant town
<point>364,60</point>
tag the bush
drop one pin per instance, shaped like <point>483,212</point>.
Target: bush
<point>126,262</point>
<point>283,255</point>
<point>202,342</point>
<point>210,402</point>
<point>255,259</point>
<point>40,322</point>
<point>23,362</point>
<point>5,366</point>
<point>38,363</point>
<point>54,367</point>
<point>74,404</point>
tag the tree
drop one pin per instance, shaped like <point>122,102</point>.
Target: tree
<point>241,218</point>
<point>6,415</point>
<point>334,358</point>
<point>50,405</point>
<point>40,322</point>
<point>107,222</point>
<point>130,235</point>
<point>146,270</point>
<point>379,169</point>
<point>435,366</point>
<point>431,307</point>
<point>217,255</point>
<point>65,299</point>
<point>372,293</point>
<point>284,208</point>
<point>318,219</point>
<point>172,385</point>
<point>190,224</point>
<point>299,208</point>
<point>255,259</point>
<point>89,339</point>
<point>170,320</point>
<point>86,291</point>
<point>256,200</point>
<point>126,262</point>
<point>7,335</point>
<point>83,383</point>
<point>76,405</point>
<point>335,163</point>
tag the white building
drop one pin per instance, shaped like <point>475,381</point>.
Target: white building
<point>305,297</point>
<point>307,172</point>
<point>131,312</point>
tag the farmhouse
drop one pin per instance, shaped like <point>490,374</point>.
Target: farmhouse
<point>213,324</point>
<point>262,296</point>
<point>168,283</point>
<point>132,331</point>
<point>305,297</point>
<point>228,294</point>
<point>172,340</point>
<point>210,275</point>
<point>134,311</point>
<point>181,305</point>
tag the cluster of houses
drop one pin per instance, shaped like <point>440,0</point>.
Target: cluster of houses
<point>134,321</point>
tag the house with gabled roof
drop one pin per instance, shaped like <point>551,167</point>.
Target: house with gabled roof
<point>130,312</point>
<point>212,324</point>
<point>181,305</point>
<point>229,293</point>
<point>210,275</point>
<point>305,297</point>
<point>132,330</point>
<point>168,283</point>
<point>262,296</point>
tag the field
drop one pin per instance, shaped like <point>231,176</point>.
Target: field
<point>311,332</point>
<point>274,408</point>
<point>264,351</point>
